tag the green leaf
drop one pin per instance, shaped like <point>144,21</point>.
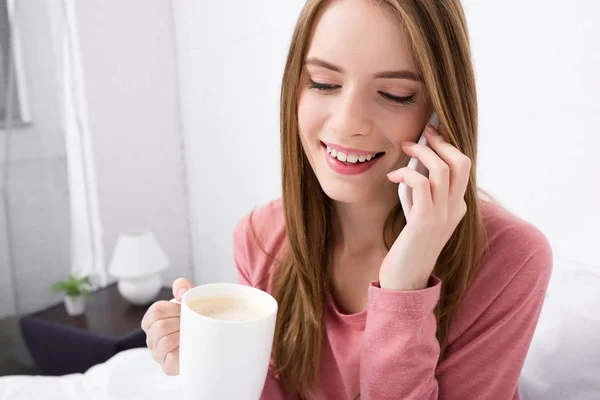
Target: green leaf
<point>74,286</point>
<point>58,286</point>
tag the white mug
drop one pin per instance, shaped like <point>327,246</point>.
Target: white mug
<point>225,359</point>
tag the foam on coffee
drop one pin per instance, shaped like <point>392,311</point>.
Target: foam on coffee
<point>228,309</point>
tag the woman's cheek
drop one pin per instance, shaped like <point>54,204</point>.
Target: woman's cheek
<point>311,114</point>
<point>401,126</point>
<point>392,126</point>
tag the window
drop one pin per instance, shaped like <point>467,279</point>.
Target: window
<point>9,46</point>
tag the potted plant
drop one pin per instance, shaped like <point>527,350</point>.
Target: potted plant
<point>76,291</point>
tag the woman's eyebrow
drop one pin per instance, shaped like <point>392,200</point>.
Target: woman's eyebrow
<point>322,63</point>
<point>403,74</point>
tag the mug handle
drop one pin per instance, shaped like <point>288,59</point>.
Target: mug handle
<point>175,301</point>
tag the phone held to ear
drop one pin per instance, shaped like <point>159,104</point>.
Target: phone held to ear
<point>405,191</point>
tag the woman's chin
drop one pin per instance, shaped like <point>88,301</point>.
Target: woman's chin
<point>345,192</point>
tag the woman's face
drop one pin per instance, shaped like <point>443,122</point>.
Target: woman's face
<point>360,96</point>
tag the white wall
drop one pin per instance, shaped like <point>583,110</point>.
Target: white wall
<point>537,66</point>
<point>231,58</point>
<point>34,228</point>
<point>129,68</point>
<point>535,63</point>
<point>128,55</point>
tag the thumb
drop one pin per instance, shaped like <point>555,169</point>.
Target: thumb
<point>180,286</point>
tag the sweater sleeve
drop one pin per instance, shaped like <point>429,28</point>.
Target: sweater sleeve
<point>399,358</point>
<point>272,389</point>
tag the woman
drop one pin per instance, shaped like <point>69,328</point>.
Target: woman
<point>442,306</point>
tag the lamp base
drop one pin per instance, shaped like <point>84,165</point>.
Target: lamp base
<point>140,291</point>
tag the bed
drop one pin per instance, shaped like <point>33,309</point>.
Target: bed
<point>562,362</point>
<point>129,375</point>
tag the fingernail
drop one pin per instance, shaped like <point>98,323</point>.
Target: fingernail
<point>407,144</point>
<point>181,292</point>
<point>432,130</point>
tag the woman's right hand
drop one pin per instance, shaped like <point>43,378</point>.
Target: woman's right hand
<point>161,324</point>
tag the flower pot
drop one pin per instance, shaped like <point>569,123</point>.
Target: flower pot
<point>75,305</point>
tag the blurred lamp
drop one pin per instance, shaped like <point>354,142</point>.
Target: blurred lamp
<point>137,262</point>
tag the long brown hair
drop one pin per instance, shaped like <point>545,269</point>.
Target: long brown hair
<point>439,42</point>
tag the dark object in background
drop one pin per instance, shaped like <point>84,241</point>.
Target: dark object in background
<point>60,344</point>
<point>14,357</point>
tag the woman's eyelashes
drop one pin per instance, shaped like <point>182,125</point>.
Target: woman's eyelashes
<point>398,99</point>
<point>322,86</point>
<point>327,88</point>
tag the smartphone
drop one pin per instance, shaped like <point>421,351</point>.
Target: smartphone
<point>405,191</point>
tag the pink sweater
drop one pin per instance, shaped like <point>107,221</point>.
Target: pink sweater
<point>390,351</point>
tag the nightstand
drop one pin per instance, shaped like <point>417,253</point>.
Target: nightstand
<point>60,344</point>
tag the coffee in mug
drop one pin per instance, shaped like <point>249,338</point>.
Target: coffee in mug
<point>228,309</point>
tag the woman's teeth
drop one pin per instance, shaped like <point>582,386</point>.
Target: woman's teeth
<point>349,158</point>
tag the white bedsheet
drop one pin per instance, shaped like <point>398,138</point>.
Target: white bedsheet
<point>129,375</point>
<point>562,362</point>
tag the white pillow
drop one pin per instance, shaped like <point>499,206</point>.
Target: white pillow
<point>564,359</point>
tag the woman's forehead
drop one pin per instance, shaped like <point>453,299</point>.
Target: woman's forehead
<point>358,34</point>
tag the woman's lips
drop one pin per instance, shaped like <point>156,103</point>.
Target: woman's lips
<point>346,168</point>
<point>348,150</point>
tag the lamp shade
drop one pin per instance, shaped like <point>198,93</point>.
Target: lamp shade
<point>136,255</point>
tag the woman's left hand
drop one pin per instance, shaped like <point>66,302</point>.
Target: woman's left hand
<point>438,207</point>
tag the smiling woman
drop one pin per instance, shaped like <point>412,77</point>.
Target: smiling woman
<point>372,303</point>
<point>361,80</point>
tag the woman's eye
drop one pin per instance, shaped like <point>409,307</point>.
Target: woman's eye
<point>397,99</point>
<point>325,87</point>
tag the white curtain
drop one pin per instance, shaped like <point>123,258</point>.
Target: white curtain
<point>86,231</point>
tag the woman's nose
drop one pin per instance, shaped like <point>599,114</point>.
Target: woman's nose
<point>351,116</point>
